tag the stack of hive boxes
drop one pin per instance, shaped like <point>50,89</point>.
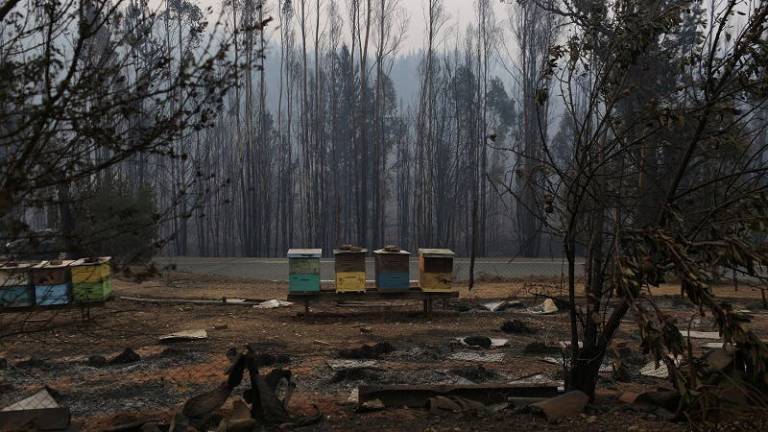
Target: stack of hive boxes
<point>304,270</point>
<point>436,270</point>
<point>51,281</point>
<point>392,269</point>
<point>15,289</point>
<point>350,268</point>
<point>91,280</point>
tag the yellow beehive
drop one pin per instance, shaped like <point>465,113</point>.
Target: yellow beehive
<point>436,270</point>
<point>350,269</point>
<point>91,270</point>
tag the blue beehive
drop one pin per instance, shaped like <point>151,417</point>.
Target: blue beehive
<point>304,270</point>
<point>392,269</point>
<point>52,283</point>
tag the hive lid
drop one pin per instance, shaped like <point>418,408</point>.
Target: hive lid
<point>92,261</point>
<point>305,253</point>
<point>54,264</point>
<point>350,250</point>
<point>387,251</point>
<point>14,266</point>
<point>436,253</point>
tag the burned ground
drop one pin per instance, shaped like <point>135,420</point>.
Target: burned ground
<point>411,350</point>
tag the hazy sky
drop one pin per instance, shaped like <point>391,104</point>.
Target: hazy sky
<point>459,12</point>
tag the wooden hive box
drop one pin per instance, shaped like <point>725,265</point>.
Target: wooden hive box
<point>393,269</point>
<point>304,270</point>
<point>436,270</point>
<point>51,280</point>
<point>92,280</point>
<point>349,264</point>
<point>15,287</point>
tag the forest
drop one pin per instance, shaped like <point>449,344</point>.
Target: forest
<point>627,137</point>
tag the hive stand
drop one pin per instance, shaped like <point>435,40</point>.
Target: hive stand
<point>371,294</point>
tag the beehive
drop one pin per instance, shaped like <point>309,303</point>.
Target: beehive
<point>393,269</point>
<point>91,280</point>
<point>15,289</point>
<point>52,282</point>
<point>304,270</point>
<point>436,270</point>
<point>350,269</point>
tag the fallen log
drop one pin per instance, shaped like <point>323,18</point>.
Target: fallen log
<point>417,396</point>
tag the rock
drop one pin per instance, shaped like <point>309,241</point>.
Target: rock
<point>718,360</point>
<point>478,341</point>
<point>517,327</point>
<point>666,399</point>
<point>220,327</point>
<point>3,363</point>
<point>127,356</point>
<point>628,397</point>
<point>567,405</point>
<point>97,361</point>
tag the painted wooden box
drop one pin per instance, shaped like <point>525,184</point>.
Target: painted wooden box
<point>304,270</point>
<point>436,270</point>
<point>392,269</point>
<point>349,265</point>
<point>54,272</point>
<point>15,287</point>
<point>89,292</point>
<point>52,295</point>
<point>91,280</point>
<point>91,270</point>
<point>51,280</point>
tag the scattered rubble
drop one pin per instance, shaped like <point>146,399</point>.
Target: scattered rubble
<point>365,374</point>
<point>32,363</point>
<point>351,364</point>
<point>367,351</point>
<point>477,374</point>
<point>501,306</point>
<point>372,405</point>
<point>540,348</point>
<point>478,357</point>
<point>517,327</point>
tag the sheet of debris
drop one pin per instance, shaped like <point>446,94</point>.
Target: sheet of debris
<point>183,336</point>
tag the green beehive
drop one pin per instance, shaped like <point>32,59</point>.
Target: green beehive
<point>304,270</point>
<point>91,280</point>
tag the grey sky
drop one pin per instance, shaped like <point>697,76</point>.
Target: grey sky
<point>459,13</point>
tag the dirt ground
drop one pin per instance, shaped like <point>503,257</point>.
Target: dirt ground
<point>102,396</point>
